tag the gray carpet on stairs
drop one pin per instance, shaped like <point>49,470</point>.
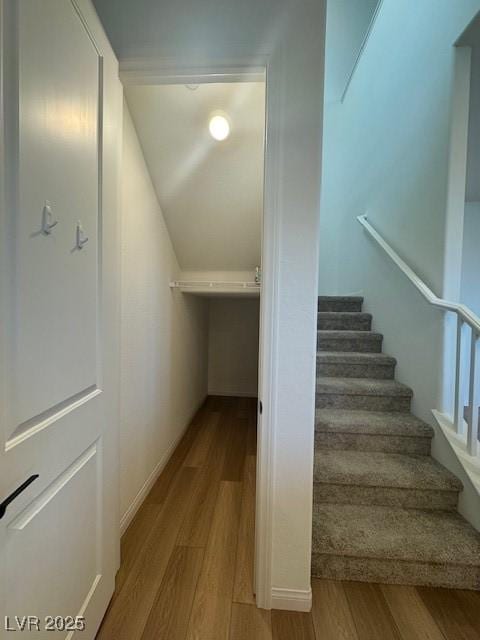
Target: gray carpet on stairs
<point>384,510</point>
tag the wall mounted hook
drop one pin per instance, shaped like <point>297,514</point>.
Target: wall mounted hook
<point>47,219</point>
<point>81,238</point>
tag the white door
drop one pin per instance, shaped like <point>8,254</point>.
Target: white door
<point>58,536</point>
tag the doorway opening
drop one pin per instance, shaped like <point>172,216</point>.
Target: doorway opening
<point>192,229</point>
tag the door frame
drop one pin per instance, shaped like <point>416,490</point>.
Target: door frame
<point>152,71</point>
<point>455,212</point>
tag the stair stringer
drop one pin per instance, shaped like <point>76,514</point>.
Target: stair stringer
<point>449,448</point>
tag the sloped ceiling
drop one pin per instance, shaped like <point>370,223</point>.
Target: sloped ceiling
<point>211,193</point>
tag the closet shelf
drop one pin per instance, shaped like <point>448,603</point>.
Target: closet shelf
<point>217,288</point>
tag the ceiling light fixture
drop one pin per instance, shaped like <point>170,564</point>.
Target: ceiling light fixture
<point>219,127</point>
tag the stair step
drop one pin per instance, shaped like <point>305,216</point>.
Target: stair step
<point>372,431</point>
<point>399,480</point>
<point>340,303</point>
<point>359,341</point>
<point>362,393</point>
<point>351,364</point>
<point>341,320</point>
<point>394,545</point>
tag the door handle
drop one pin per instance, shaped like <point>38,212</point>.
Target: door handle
<point>16,493</point>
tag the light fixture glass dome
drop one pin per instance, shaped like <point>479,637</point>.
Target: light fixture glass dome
<point>219,127</point>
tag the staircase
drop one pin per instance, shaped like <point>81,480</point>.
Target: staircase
<point>384,510</point>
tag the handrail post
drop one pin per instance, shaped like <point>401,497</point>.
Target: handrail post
<point>458,418</point>
<point>473,399</point>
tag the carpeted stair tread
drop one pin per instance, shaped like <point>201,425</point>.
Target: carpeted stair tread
<point>374,423</point>
<point>362,387</point>
<point>340,303</point>
<point>408,535</point>
<point>384,509</point>
<point>354,357</point>
<point>342,334</point>
<point>344,320</point>
<point>348,340</point>
<point>376,469</point>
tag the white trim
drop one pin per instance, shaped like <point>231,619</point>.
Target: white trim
<point>81,398</point>
<point>267,373</point>
<point>41,501</point>
<point>465,466</point>
<point>362,48</point>
<point>458,442</point>
<point>291,599</point>
<point>258,68</point>
<point>131,512</point>
<point>466,314</point>
<point>457,172</point>
<point>455,210</point>
<point>138,71</point>
<point>217,288</point>
<point>137,502</point>
<point>86,602</point>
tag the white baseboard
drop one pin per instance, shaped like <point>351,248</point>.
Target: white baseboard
<point>466,467</point>
<point>152,478</point>
<point>234,394</point>
<point>291,599</point>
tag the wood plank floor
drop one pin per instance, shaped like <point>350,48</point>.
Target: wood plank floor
<point>187,560</point>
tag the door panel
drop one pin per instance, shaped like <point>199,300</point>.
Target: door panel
<point>55,284</point>
<point>43,543</point>
<point>58,313</point>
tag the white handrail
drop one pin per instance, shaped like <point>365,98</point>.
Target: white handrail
<point>464,316</point>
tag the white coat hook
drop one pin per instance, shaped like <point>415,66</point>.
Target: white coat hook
<point>47,219</point>
<point>82,239</point>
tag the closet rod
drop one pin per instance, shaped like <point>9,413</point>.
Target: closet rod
<point>176,284</point>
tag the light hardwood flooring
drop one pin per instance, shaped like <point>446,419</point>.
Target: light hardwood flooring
<point>187,560</point>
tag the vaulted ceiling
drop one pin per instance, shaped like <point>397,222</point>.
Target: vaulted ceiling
<point>210,192</point>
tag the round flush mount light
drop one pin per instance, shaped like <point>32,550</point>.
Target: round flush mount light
<point>219,127</point>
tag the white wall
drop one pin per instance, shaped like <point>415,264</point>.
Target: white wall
<point>233,347</point>
<point>163,334</point>
<point>470,288</point>
<point>290,35</point>
<point>347,24</point>
<point>386,154</point>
